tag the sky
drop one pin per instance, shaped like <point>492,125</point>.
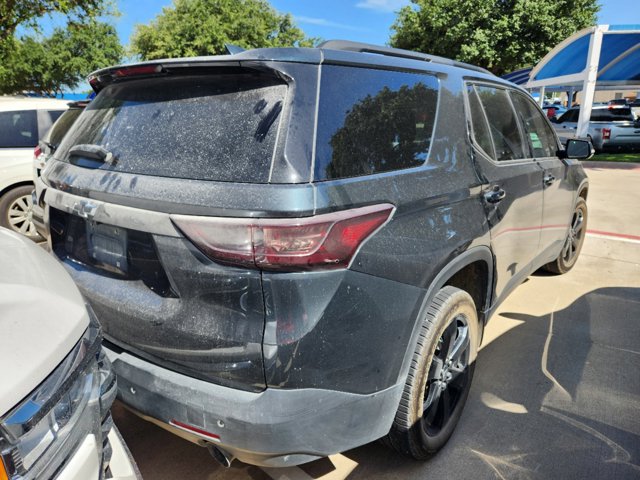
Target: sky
<point>358,20</point>
<point>366,21</point>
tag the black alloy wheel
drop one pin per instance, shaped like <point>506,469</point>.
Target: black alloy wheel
<point>439,377</point>
<point>574,241</point>
<point>448,378</point>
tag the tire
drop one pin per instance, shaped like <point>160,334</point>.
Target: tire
<point>15,212</point>
<point>595,149</point>
<point>573,243</point>
<point>434,386</point>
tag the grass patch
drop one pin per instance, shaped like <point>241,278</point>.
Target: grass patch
<point>633,157</point>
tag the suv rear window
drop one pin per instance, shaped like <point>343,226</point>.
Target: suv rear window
<point>372,121</point>
<point>206,127</point>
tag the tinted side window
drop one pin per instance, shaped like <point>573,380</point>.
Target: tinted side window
<point>569,116</point>
<point>372,121</point>
<point>502,123</point>
<point>61,127</point>
<point>612,114</point>
<point>481,132</point>
<point>541,139</point>
<point>55,114</point>
<point>18,129</point>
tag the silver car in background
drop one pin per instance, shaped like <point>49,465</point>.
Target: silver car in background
<point>611,127</point>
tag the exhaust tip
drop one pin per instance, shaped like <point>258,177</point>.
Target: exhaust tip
<point>222,457</point>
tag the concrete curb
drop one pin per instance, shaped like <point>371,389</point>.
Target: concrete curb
<point>611,165</point>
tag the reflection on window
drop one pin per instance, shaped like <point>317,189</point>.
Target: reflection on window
<point>373,121</point>
<point>502,122</point>
<point>481,132</point>
<point>541,139</point>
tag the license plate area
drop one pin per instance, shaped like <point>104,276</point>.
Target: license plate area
<point>108,250</point>
<point>107,246</point>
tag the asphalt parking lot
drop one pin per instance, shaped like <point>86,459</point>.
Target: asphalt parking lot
<point>557,387</point>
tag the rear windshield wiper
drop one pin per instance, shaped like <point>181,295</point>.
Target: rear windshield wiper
<point>94,152</point>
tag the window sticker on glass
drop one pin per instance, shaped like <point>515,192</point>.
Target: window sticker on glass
<point>535,140</point>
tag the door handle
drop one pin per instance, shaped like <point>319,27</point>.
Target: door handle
<point>549,179</point>
<point>495,195</point>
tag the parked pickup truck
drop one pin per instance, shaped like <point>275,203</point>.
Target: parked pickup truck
<point>57,384</point>
<point>611,127</point>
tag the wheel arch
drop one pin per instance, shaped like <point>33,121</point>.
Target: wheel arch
<point>459,272</point>
<point>583,190</point>
<point>8,188</point>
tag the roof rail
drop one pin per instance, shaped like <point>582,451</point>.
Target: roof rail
<point>395,52</point>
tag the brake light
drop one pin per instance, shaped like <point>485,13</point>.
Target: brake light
<point>37,152</point>
<point>606,133</point>
<point>139,70</point>
<point>321,242</point>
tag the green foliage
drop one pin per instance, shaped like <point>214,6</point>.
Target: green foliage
<point>202,27</point>
<point>62,60</point>
<point>500,35</point>
<point>27,13</point>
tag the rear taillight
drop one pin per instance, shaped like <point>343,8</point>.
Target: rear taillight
<point>320,242</point>
<point>606,133</point>
<point>37,152</point>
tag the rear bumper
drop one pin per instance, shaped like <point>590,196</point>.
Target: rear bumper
<point>271,428</point>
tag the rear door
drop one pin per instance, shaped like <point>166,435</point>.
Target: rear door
<point>513,183</point>
<point>558,192</point>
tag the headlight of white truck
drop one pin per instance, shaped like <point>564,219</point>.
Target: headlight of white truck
<point>46,427</point>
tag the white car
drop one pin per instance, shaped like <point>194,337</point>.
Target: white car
<point>57,384</point>
<point>23,120</point>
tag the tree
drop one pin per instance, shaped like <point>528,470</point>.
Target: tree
<point>500,35</point>
<point>202,27</point>
<point>27,12</point>
<point>48,65</point>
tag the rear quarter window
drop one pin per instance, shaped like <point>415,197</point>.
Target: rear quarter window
<point>372,121</point>
<point>62,125</point>
<point>219,127</point>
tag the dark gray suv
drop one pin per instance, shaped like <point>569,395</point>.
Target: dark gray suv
<point>294,252</point>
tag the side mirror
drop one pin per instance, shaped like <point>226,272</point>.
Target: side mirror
<point>577,149</point>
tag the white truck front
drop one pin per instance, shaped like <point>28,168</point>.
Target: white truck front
<point>57,385</point>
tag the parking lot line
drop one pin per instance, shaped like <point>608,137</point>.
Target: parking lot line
<point>623,237</point>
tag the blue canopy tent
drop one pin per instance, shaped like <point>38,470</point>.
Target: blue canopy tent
<point>600,57</point>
